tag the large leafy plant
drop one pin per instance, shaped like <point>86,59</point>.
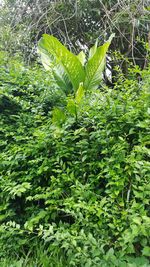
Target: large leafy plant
<point>75,70</point>
<point>68,67</point>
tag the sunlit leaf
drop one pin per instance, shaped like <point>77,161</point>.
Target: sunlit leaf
<point>82,57</point>
<point>63,56</point>
<point>93,49</point>
<point>95,66</point>
<point>79,94</point>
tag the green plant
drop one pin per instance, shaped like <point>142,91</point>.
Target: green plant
<point>82,191</point>
<point>74,67</point>
<point>84,75</point>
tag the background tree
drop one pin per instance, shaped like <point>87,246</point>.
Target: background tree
<point>77,22</point>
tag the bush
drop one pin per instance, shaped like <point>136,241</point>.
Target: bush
<point>81,189</point>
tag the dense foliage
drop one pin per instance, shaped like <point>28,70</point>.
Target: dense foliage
<point>79,189</point>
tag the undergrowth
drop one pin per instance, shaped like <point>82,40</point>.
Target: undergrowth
<point>79,188</point>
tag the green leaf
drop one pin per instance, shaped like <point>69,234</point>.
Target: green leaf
<point>95,66</point>
<point>79,94</point>
<point>50,64</point>
<point>70,63</point>
<point>71,106</point>
<point>137,220</point>
<point>93,49</point>
<point>58,116</point>
<point>82,57</point>
<point>61,78</point>
<point>45,58</point>
<point>72,103</point>
<point>146,251</point>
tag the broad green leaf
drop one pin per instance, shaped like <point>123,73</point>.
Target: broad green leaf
<point>82,57</point>
<point>50,64</point>
<point>70,63</point>
<point>61,78</point>
<point>46,58</point>
<point>93,49</point>
<point>95,66</point>
<point>79,94</point>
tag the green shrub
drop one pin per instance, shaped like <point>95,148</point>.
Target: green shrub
<point>81,188</point>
